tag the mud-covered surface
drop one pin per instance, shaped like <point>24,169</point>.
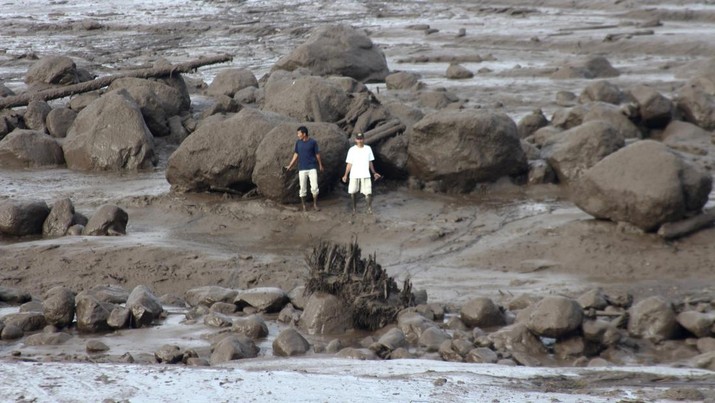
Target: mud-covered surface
<point>500,241</point>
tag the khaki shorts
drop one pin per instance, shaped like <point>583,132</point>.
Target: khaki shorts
<point>303,177</point>
<point>362,185</point>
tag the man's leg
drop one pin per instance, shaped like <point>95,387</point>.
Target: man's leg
<point>303,180</point>
<point>313,176</point>
<point>353,188</point>
<point>366,189</point>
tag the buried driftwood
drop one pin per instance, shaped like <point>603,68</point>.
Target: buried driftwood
<point>362,284</point>
<point>384,131</point>
<point>677,229</point>
<point>61,92</point>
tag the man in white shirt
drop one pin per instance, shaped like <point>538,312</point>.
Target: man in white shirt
<point>359,166</point>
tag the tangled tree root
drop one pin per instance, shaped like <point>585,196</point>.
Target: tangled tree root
<point>372,295</point>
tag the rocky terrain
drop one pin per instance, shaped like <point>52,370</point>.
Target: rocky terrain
<point>547,194</point>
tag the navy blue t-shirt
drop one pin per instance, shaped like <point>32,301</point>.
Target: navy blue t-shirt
<point>306,151</point>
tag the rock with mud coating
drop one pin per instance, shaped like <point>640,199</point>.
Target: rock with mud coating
<point>59,120</point>
<point>215,319</point>
<point>388,342</point>
<point>591,67</point>
<point>30,149</point>
<point>571,152</point>
<point>145,307</point>
<point>614,116</point>
<point>403,80</point>
<point>325,314</point>
<point>26,321</point>
<point>481,355</point>
<point>276,150</point>
<point>59,70</point>
<point>22,217</point>
<point>412,325</point>
<point>47,339</point>
<point>107,220</point>
<point>110,293</point>
<point>357,354</point>
<point>226,308</point>
<point>222,154</point>
<point>169,354</point>
<point>209,294</point>
<point>119,318</point>
<point>698,323</point>
<point>531,123</point>
<point>432,338</point>
<point>233,347</point>
<point>555,317</point>
<point>252,326</point>
<point>290,343</point>
<point>601,91</point>
<point>458,72</point>
<point>230,81</point>
<point>697,105</point>
<point>653,318</point>
<point>594,298</point>
<point>10,332</point>
<point>338,50</point>
<point>109,134</point>
<point>306,98</point>
<point>289,315</point>
<point>59,220</point>
<point>92,314</point>
<point>461,149</point>
<point>481,312</point>
<point>264,299</point>
<point>516,337</point>
<point>654,110</point>
<point>58,306</point>
<point>704,361</point>
<point>14,295</point>
<point>644,184</point>
<point>35,115</point>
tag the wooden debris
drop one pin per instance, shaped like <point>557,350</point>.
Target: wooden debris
<point>65,91</point>
<point>364,286</point>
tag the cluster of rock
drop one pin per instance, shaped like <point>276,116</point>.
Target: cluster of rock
<point>35,217</point>
<point>605,144</point>
<point>595,329</point>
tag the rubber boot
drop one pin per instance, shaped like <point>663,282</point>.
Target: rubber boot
<point>302,202</point>
<point>315,202</point>
<point>353,199</point>
<point>369,203</point>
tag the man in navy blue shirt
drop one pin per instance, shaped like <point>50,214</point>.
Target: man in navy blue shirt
<point>307,154</point>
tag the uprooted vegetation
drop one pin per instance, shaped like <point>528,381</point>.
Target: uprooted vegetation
<point>361,283</point>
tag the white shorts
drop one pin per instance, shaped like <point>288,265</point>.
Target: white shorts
<point>303,177</point>
<point>362,185</point>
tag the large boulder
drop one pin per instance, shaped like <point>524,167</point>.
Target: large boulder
<point>573,151</point>
<point>644,184</point>
<point>107,220</point>
<point>696,104</point>
<point>222,154</point>
<point>61,217</point>
<point>463,148</point>
<point>591,67</point>
<point>653,318</point>
<point>144,306</point>
<point>614,116</point>
<point>601,91</point>
<point>275,152</point>
<point>555,317</point>
<point>109,134</point>
<point>30,149</point>
<point>654,110</point>
<point>338,50</point>
<point>60,70</point>
<point>230,81</point>
<point>306,98</point>
<point>59,121</point>
<point>22,217</point>
<point>35,115</point>
<point>325,314</point>
<point>58,306</point>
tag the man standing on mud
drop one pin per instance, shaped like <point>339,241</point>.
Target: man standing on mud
<point>359,166</point>
<point>307,153</point>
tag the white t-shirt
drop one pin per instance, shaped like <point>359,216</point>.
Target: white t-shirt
<point>360,159</point>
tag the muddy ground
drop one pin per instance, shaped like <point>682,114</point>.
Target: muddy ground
<point>500,241</point>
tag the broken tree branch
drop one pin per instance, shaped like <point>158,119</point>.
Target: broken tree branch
<point>61,92</point>
<point>382,132</point>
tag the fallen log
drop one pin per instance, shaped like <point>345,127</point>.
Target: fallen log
<point>385,131</point>
<point>677,229</point>
<point>65,91</point>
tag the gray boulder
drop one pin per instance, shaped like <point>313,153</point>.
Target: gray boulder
<point>696,104</point>
<point>30,149</point>
<point>252,326</point>
<point>653,318</point>
<point>555,317</point>
<point>58,306</point>
<point>654,110</point>
<point>290,343</point>
<point>461,149</point>
<point>60,70</point>
<point>306,98</point>
<point>208,295</point>
<point>92,314</point>
<point>325,314</point>
<point>109,134</point>
<point>35,115</point>
<point>233,347</point>
<point>107,220</point>
<point>602,91</point>
<point>614,116</point>
<point>144,305</point>
<point>264,299</point>
<point>61,217</point>
<point>516,338</point>
<point>698,323</point>
<point>458,72</point>
<point>338,50</point>
<point>403,80</point>
<point>59,120</point>
<point>22,217</point>
<point>14,295</point>
<point>644,184</point>
<point>222,154</point>
<point>530,123</point>
<point>275,152</point>
<point>231,81</point>
<point>481,312</point>
<point>572,152</point>
<point>591,67</point>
